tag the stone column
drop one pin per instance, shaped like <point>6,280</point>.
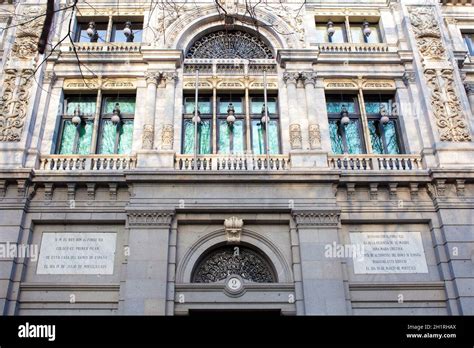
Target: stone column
<point>167,128</point>
<point>291,79</point>
<point>149,124</point>
<point>314,132</point>
<point>147,265</point>
<point>323,281</point>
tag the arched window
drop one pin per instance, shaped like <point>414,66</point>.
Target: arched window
<point>229,45</point>
<point>228,260</point>
<point>231,117</point>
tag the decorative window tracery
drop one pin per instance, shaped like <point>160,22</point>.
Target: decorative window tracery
<point>229,45</point>
<point>233,260</point>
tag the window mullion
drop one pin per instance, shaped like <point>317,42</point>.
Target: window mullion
<point>365,124</point>
<point>214,120</point>
<point>108,36</point>
<point>95,131</point>
<point>348,29</point>
<point>247,122</point>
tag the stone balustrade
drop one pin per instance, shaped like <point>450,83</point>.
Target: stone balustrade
<point>375,162</point>
<point>77,163</point>
<point>131,47</point>
<point>353,48</point>
<point>232,163</point>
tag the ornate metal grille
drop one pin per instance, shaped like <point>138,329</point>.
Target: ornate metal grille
<point>226,261</point>
<point>229,45</point>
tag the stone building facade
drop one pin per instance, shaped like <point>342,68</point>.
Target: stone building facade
<point>322,128</point>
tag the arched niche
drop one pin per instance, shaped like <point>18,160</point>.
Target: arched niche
<point>272,254</point>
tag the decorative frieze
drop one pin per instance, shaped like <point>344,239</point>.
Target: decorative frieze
<point>296,139</point>
<point>359,83</point>
<point>438,72</point>
<point>150,218</point>
<point>309,218</point>
<point>96,83</point>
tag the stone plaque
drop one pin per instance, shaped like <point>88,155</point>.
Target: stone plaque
<point>389,252</point>
<point>77,253</point>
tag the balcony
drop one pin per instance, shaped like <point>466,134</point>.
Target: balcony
<point>400,163</point>
<point>232,163</point>
<point>82,163</point>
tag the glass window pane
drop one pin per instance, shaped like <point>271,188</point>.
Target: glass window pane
<point>256,105</point>
<point>224,137</point>
<point>238,134</point>
<point>205,105</point>
<point>67,138</point>
<point>337,37</point>
<point>333,107</point>
<point>85,137</point>
<point>273,137</point>
<point>126,138</point>
<point>118,35</point>
<point>204,131</point>
<point>82,32</point>
<point>353,139</point>
<point>126,104</point>
<point>336,139</point>
<point>258,138</point>
<point>358,36</point>
<point>108,134</point>
<point>390,131</point>
<point>375,137</point>
<point>85,103</point>
<point>224,104</point>
<point>258,142</point>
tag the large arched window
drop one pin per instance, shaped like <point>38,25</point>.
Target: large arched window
<point>227,56</point>
<point>220,263</point>
<point>226,44</point>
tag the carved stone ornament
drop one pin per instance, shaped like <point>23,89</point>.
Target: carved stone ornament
<point>233,229</point>
<point>427,32</point>
<point>25,45</point>
<point>147,137</point>
<point>150,218</point>
<point>14,103</point>
<point>296,140</point>
<point>316,218</point>
<point>229,260</point>
<point>446,106</point>
<point>291,77</point>
<point>167,137</point>
<point>314,136</point>
<point>438,72</point>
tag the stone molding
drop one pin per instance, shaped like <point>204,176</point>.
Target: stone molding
<point>314,218</point>
<point>150,218</point>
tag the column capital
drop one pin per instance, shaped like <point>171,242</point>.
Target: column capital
<point>316,218</point>
<point>291,77</point>
<point>152,77</point>
<point>309,78</point>
<point>150,218</point>
<point>168,76</point>
<point>409,77</point>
